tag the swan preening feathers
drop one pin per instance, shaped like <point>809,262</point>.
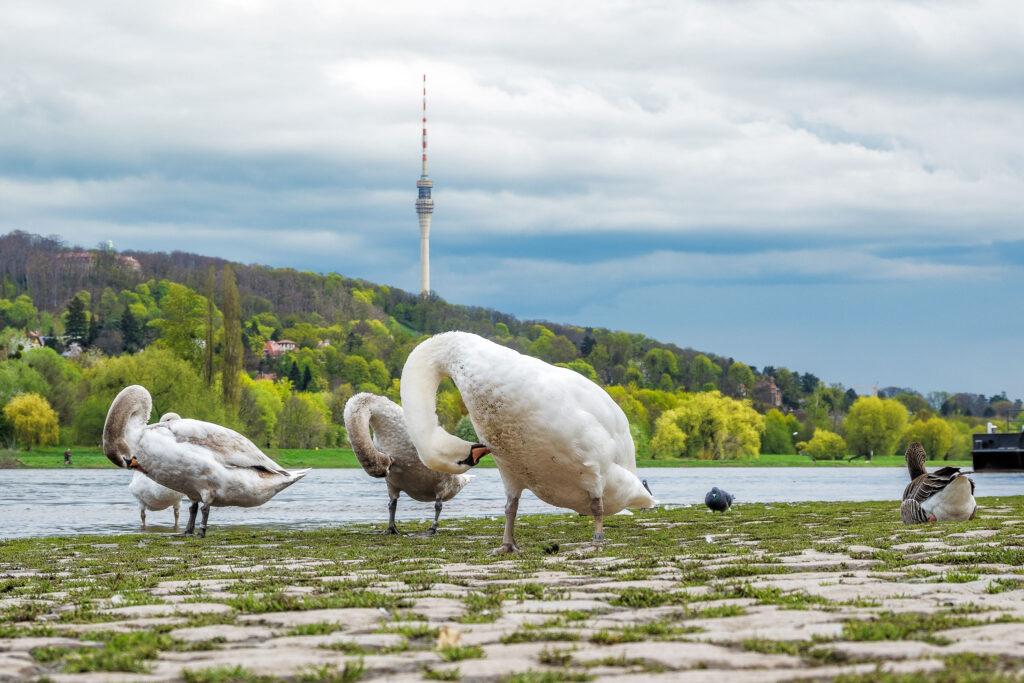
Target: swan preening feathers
<point>212,465</point>
<point>549,429</point>
<point>945,495</point>
<point>389,453</point>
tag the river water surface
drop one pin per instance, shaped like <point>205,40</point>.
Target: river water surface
<point>87,501</point>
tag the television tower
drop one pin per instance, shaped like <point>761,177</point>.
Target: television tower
<point>424,205</point>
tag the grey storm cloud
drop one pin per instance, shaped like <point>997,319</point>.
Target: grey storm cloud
<point>843,142</point>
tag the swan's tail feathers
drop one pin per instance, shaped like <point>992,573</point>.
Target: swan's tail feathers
<point>358,411</point>
<point>298,474</point>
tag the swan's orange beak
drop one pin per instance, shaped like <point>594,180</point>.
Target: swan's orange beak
<point>476,451</point>
<point>134,465</point>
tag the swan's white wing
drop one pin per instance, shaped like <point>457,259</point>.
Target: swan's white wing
<point>224,445</point>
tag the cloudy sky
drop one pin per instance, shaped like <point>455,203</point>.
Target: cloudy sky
<point>836,187</point>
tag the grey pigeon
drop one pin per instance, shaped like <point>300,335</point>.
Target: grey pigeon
<point>718,500</point>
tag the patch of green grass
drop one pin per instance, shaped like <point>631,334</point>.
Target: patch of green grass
<point>813,651</point>
<point>49,653</point>
<point>906,626</point>
<point>556,657</point>
<point>546,677</point>
<point>346,646</point>
<point>413,631</point>
<point>482,607</point>
<point>1002,585</point>
<point>320,628</point>
<point>442,674</point>
<point>259,603</point>
<point>120,652</point>
<point>457,653</point>
<point>627,662</point>
<point>967,667</point>
<point>352,671</point>
<point>534,635</point>
<point>959,577</point>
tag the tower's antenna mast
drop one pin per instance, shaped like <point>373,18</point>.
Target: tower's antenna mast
<point>424,206</point>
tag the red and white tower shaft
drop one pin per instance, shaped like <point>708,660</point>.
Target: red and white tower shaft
<point>424,205</point>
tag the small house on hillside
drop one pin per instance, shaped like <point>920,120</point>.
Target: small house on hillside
<point>274,349</point>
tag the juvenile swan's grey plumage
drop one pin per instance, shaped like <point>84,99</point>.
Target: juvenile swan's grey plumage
<point>947,494</point>
<point>210,464</point>
<point>550,429</point>
<point>389,453</point>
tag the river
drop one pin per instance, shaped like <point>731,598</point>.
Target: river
<point>86,501</point>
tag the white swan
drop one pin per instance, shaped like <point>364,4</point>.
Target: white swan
<point>389,453</point>
<point>208,463</point>
<point>154,496</point>
<point>549,429</point>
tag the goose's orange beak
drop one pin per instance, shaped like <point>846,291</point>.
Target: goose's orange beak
<point>133,464</point>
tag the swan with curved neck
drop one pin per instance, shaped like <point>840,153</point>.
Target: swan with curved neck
<point>210,464</point>
<point>549,429</point>
<point>389,453</point>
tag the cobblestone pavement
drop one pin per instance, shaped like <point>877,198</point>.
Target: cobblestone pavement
<point>766,593</point>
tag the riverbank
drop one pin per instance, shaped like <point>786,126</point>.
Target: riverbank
<point>53,458</point>
<point>764,593</point>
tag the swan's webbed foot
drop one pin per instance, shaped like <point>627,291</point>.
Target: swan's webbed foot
<point>432,531</point>
<point>391,531</point>
<point>202,532</point>
<point>598,537</point>
<point>507,549</point>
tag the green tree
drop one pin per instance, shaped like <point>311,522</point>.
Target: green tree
<point>208,327</point>
<point>935,435</point>
<point>709,426</point>
<point>61,376</point>
<point>741,376</point>
<point>259,406</point>
<point>76,326</point>
<point>34,422</point>
<point>302,423</point>
<point>131,334</point>
<point>464,430</point>
<point>233,349</point>
<point>824,445</point>
<point>874,425</point>
<point>174,384</point>
<point>181,324</point>
<point>21,312</point>
<point>582,367</point>
<point>779,430</point>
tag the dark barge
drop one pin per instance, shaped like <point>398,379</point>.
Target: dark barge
<point>998,452</point>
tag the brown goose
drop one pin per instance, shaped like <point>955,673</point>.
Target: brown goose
<point>389,453</point>
<point>945,495</point>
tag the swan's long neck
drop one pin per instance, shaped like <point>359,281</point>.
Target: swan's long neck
<point>423,372</point>
<point>357,421</point>
<point>128,414</point>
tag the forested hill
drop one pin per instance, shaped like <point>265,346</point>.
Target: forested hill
<point>351,335</point>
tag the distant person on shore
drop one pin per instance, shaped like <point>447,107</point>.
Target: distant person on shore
<point>67,457</point>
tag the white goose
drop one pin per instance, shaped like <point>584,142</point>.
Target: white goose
<point>389,453</point>
<point>550,429</point>
<point>208,463</point>
<point>153,496</point>
<point>945,495</point>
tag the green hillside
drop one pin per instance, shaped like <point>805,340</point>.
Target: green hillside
<point>275,353</point>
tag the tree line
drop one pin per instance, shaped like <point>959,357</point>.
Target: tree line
<point>206,337</point>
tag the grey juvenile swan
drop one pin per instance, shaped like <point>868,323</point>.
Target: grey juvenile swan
<point>389,453</point>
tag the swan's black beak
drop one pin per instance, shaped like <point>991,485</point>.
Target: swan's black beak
<point>476,451</point>
<point>644,482</point>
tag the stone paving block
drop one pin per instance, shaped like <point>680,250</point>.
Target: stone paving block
<point>229,632</point>
<point>16,666</point>
<point>553,605</point>
<point>121,626</point>
<point>885,649</point>
<point>31,643</point>
<point>770,623</point>
<point>351,618</point>
<point>685,655</point>
<point>439,609</point>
